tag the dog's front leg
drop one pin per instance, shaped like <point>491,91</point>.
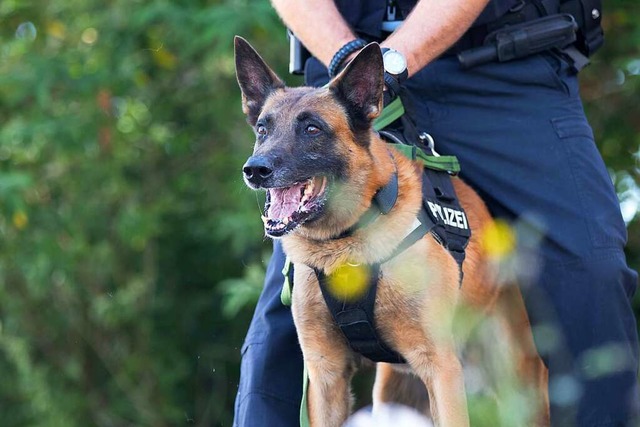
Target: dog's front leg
<point>448,392</point>
<point>330,362</point>
<point>329,397</point>
<point>441,372</point>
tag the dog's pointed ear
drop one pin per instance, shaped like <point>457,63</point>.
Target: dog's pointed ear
<point>361,83</point>
<point>255,78</point>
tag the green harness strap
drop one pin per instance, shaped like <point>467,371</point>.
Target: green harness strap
<point>304,411</point>
<point>439,163</point>
<point>285,294</point>
<point>394,111</point>
<point>389,114</point>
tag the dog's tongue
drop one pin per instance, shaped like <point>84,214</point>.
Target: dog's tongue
<point>284,201</point>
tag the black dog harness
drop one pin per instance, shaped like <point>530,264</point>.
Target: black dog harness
<point>440,215</point>
<point>356,319</point>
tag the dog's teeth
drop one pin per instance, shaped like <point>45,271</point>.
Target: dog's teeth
<point>285,221</point>
<point>264,219</point>
<point>308,190</point>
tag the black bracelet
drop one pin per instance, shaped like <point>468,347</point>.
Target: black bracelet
<point>343,53</point>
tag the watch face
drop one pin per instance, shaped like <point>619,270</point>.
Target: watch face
<point>394,62</point>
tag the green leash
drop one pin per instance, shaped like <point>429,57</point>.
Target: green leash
<point>285,294</point>
<point>304,411</point>
<point>394,111</point>
<point>440,163</point>
<point>285,297</point>
<point>389,114</point>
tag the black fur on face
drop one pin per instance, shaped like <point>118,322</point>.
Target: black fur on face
<point>300,144</point>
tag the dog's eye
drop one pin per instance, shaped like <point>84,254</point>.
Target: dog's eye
<point>261,130</point>
<point>312,130</point>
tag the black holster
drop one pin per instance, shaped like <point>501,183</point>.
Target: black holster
<point>521,40</point>
<point>298,54</point>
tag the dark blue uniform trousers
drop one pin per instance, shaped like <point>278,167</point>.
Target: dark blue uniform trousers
<point>524,144</point>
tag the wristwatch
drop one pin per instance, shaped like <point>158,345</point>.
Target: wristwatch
<point>395,64</point>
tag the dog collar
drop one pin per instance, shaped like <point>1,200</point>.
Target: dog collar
<point>383,201</point>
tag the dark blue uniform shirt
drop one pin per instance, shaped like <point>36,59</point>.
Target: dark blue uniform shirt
<point>365,17</point>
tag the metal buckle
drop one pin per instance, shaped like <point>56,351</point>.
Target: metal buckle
<point>429,142</point>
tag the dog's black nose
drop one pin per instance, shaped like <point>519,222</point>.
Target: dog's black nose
<point>257,169</point>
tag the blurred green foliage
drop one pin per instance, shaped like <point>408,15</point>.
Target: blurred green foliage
<point>130,250</point>
<point>611,91</point>
<point>123,208</point>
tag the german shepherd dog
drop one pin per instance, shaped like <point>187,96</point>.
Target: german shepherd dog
<point>321,163</point>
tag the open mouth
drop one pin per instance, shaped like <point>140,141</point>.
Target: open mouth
<point>289,207</point>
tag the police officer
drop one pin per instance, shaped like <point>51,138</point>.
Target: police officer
<point>520,133</point>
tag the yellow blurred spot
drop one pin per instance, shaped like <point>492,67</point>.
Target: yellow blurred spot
<point>349,282</point>
<point>20,220</point>
<point>498,239</point>
<point>164,58</point>
<point>57,29</point>
<point>89,36</point>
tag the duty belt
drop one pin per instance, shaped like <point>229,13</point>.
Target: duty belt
<point>570,28</point>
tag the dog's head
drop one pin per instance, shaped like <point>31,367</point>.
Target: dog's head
<point>312,151</point>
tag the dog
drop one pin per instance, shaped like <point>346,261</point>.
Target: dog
<point>321,164</point>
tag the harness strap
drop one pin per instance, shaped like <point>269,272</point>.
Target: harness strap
<point>287,286</point>
<point>390,113</point>
<point>443,208</point>
<point>425,225</point>
<point>448,164</point>
<point>445,217</point>
<point>356,319</point>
